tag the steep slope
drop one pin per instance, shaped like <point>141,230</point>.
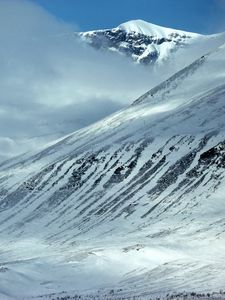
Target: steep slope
<point>149,43</point>
<point>132,204</point>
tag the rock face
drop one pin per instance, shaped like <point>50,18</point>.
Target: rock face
<point>144,42</point>
<point>133,203</point>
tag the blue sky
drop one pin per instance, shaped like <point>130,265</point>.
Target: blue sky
<point>203,16</point>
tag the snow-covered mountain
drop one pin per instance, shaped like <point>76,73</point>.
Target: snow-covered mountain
<point>58,83</point>
<point>149,43</point>
<point>130,206</point>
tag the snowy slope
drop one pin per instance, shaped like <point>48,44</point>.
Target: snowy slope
<point>130,206</point>
<point>149,43</point>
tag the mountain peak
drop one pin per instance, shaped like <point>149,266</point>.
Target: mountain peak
<point>149,29</point>
<point>142,41</point>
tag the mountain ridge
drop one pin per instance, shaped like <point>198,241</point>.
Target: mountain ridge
<point>145,42</point>
<point>146,28</point>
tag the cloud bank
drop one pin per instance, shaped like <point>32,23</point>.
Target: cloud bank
<point>50,83</point>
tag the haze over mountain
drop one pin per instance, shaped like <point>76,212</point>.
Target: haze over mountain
<point>131,206</point>
<point>51,81</point>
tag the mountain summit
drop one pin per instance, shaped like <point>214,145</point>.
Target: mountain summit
<point>147,43</point>
<point>149,29</point>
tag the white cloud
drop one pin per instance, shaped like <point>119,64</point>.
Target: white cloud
<point>50,83</point>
